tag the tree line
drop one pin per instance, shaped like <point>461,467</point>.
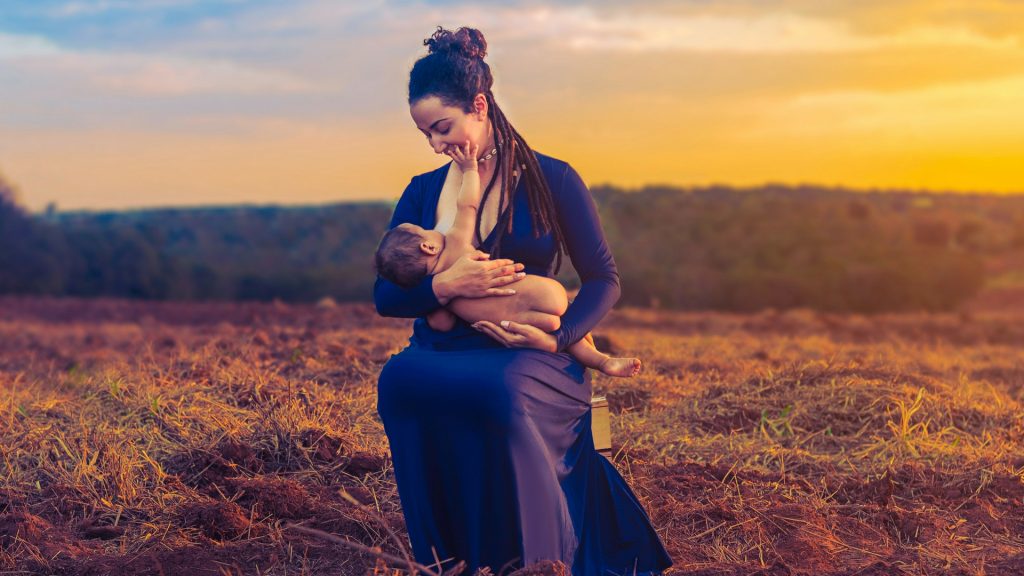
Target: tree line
<point>697,248</point>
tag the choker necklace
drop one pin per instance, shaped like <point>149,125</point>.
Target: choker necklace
<point>488,156</point>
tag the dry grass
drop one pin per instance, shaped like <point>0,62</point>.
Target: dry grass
<point>184,439</point>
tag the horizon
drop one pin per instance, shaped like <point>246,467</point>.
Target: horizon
<point>189,103</point>
<point>680,188</point>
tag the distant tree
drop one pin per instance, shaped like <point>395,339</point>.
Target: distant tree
<point>932,232</point>
<point>858,209</point>
<point>714,247</point>
<point>970,234</point>
<point>1017,238</point>
<point>30,252</point>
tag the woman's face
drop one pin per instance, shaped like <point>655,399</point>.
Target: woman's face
<point>446,126</point>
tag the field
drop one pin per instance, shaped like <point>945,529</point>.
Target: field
<point>172,438</point>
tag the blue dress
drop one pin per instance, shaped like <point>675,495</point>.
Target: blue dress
<point>492,447</point>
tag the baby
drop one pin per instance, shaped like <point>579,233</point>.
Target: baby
<point>407,253</point>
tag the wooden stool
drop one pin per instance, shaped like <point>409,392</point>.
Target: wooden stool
<point>601,426</point>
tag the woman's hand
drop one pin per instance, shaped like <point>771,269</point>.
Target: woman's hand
<point>475,275</point>
<point>516,335</point>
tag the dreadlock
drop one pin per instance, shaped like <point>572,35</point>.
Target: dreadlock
<point>454,70</point>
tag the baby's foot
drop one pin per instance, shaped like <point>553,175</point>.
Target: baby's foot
<point>621,367</point>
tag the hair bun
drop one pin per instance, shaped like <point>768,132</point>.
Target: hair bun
<point>466,42</point>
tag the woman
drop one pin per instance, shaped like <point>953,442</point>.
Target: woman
<point>490,427</point>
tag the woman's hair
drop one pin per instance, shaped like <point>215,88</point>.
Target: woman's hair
<point>399,259</point>
<point>454,70</point>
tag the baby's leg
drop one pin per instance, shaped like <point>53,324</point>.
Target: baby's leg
<point>539,301</point>
<point>587,353</point>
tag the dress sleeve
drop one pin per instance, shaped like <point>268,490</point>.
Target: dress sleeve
<point>590,255</point>
<point>390,298</point>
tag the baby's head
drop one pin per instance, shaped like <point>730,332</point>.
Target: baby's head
<point>407,253</point>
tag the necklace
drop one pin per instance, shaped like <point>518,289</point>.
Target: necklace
<point>488,156</point>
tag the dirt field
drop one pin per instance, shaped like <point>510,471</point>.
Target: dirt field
<point>163,439</point>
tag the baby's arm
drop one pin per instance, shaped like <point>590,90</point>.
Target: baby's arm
<point>459,239</point>
<point>460,236</point>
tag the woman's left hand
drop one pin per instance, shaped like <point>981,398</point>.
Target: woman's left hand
<point>516,335</point>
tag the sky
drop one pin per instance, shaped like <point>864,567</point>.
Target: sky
<point>116,104</point>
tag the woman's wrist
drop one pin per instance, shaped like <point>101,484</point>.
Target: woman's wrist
<point>554,339</point>
<point>551,343</point>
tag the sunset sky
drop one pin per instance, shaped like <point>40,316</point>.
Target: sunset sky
<point>109,104</point>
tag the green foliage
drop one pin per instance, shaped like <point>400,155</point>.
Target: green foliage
<point>708,248</point>
<point>236,253</point>
<point>797,247</point>
<point>780,425</point>
<point>31,253</point>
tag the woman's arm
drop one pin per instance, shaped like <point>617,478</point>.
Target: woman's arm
<point>590,255</point>
<point>390,298</point>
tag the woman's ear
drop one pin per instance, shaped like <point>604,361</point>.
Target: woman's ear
<point>480,106</point>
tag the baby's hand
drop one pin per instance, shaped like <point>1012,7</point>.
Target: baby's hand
<point>464,155</point>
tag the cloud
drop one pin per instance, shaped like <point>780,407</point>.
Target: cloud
<point>15,46</point>
<point>697,88</point>
<point>775,33</point>
<point>129,74</point>
<point>179,76</point>
<point>89,8</point>
<point>266,48</point>
<point>983,112</point>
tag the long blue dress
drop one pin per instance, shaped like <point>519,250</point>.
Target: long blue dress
<point>492,447</point>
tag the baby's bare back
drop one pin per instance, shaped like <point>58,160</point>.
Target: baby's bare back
<point>453,250</point>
